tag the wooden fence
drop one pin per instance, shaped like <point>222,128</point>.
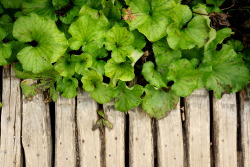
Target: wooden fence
<point>200,132</point>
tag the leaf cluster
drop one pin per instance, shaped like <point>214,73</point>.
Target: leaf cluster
<point>135,52</point>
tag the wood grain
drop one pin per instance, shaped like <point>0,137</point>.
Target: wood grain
<point>197,111</point>
<point>225,131</point>
<point>245,127</point>
<point>115,137</point>
<point>141,150</point>
<point>10,141</point>
<point>170,146</point>
<point>89,141</point>
<point>36,132</point>
<point>65,137</point>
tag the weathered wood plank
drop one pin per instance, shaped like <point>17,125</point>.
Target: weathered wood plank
<point>170,146</point>
<point>10,143</point>
<point>36,132</point>
<point>89,141</point>
<point>115,137</point>
<point>141,150</point>
<point>225,131</point>
<point>65,137</point>
<point>245,127</point>
<point>197,111</point>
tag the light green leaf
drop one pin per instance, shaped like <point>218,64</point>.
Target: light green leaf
<point>119,40</point>
<point>41,7</point>
<point>158,103</point>
<point>90,79</point>
<point>67,86</point>
<point>152,75</point>
<point>97,62</point>
<point>180,14</point>
<point>184,76</point>
<point>223,71</point>
<point>128,98</point>
<point>123,71</point>
<point>103,93</point>
<point>151,18</point>
<point>47,42</point>
<point>196,34</point>
<point>5,53</point>
<point>220,36</point>
<point>88,33</point>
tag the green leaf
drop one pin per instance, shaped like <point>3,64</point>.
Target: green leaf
<point>67,86</point>
<point>97,62</point>
<point>58,4</point>
<point>119,40</point>
<point>123,71</point>
<point>103,93</point>
<point>6,24</point>
<point>184,76</point>
<point>42,7</point>
<point>223,71</point>
<point>128,98</point>
<point>180,14</point>
<point>164,56</point>
<point>47,42</point>
<point>158,103</point>
<point>152,75</point>
<point>90,3</point>
<point>215,2</point>
<point>82,62</point>
<point>14,4</point>
<point>220,36</point>
<point>90,79</point>
<point>236,45</point>
<point>65,66</point>
<point>88,33</point>
<point>1,105</point>
<point>5,53</point>
<point>196,33</point>
<point>70,15</point>
<point>151,18</point>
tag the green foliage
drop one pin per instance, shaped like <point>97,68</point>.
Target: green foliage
<point>133,52</point>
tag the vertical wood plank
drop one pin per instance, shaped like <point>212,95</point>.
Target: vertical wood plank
<point>225,131</point>
<point>10,143</point>
<point>170,145</point>
<point>114,138</point>
<point>65,140</point>
<point>89,141</point>
<point>141,150</point>
<point>245,127</point>
<point>36,132</point>
<point>197,111</point>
